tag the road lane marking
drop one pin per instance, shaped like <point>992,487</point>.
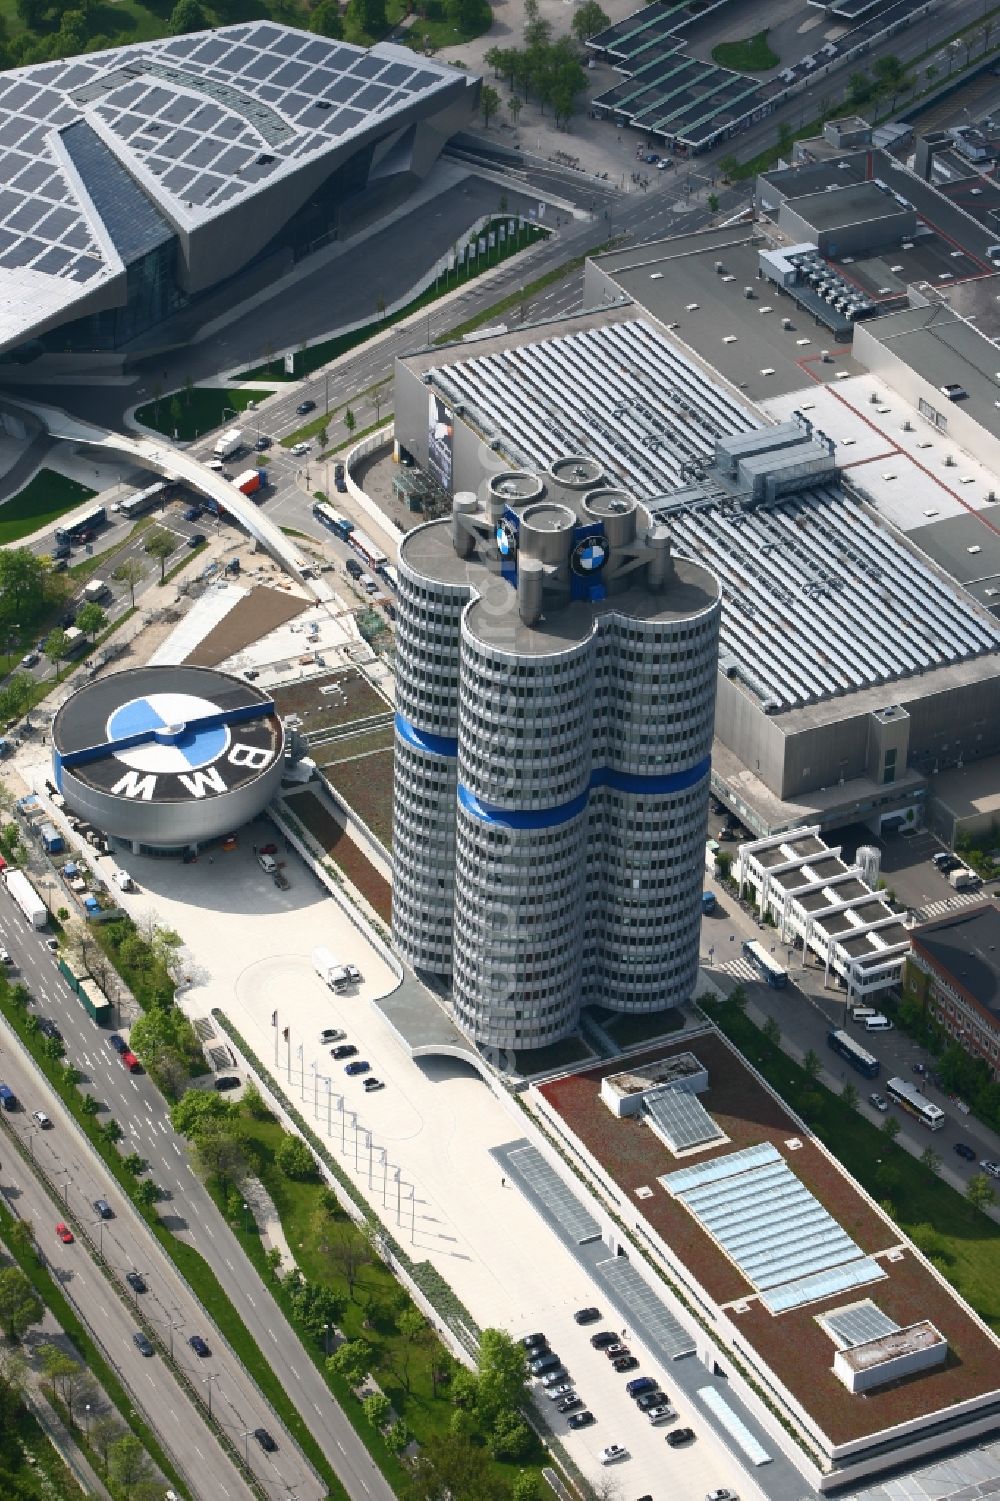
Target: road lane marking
<point>294,1372</point>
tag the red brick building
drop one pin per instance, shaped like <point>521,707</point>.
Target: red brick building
<point>954,969</point>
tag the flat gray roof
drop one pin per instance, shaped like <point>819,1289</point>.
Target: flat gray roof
<point>948,542</point>
<point>945,349</point>
<point>677,282</point>
<point>850,203</point>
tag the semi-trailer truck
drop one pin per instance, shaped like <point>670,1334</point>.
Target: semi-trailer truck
<point>228,443</point>
<point>330,971</point>
<point>250,481</point>
<point>26,897</point>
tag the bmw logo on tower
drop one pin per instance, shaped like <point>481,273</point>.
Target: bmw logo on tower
<point>589,556</point>
<point>167,757</point>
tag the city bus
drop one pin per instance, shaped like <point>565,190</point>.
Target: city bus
<point>764,964</point>
<point>856,1056</point>
<point>909,1098</point>
<point>145,500</point>
<point>367,549</point>
<point>88,522</point>
<point>339,525</point>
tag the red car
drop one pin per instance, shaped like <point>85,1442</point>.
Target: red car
<point>64,1233</point>
<point>268,849</point>
<point>131,1062</point>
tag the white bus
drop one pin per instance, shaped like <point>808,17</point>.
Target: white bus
<point>145,500</point>
<point>909,1098</point>
<point>764,964</point>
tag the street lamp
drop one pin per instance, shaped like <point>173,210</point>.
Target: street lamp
<point>208,1382</point>
<point>326,1338</point>
<point>86,1419</point>
<point>246,1221</point>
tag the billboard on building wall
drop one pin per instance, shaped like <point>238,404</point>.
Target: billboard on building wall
<point>440,438</point>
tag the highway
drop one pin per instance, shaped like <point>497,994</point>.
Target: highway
<point>127,1244</point>
<point>140,1109</point>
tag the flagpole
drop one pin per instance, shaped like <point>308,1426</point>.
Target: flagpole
<point>274,1024</point>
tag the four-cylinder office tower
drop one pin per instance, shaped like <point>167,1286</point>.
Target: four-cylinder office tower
<point>555,697</point>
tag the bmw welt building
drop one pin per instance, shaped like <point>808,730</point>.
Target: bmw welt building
<point>555,695</point>
<point>135,181</point>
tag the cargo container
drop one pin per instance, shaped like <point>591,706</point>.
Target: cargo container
<point>26,897</point>
<point>228,443</point>
<point>52,841</point>
<point>250,481</point>
<point>94,1002</point>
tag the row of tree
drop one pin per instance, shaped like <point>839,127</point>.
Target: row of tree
<point>550,70</point>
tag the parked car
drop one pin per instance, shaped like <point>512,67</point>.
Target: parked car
<point>104,1209</point>
<point>64,1233</point>
<point>46,1125</point>
<point>558,1390</point>
<point>602,1340</point>
<point>625,1363</point>
<point>879,1101</point>
<point>678,1436</point>
<point>304,407</point>
<point>359,1066</point>
<point>571,1403</point>
<point>617,1349</point>
<point>267,863</point>
<point>649,1400</point>
<point>135,1282</point>
<point>354,568</point>
<point>344,1050</point>
<point>372,1086</point>
<point>993,1168</point>
<point>353,973</point>
<point>581,1419</point>
<point>534,1342</point>
<point>612,1454</point>
<point>723,1493</point>
<point>640,1385</point>
<point>228,1081</point>
<point>339,480</point>
<point>142,1344</point>
<point>662,1414</point>
<point>199,1346</point>
<point>541,1364</point>
<point>118,1043</point>
<point>963,1150</point>
<point>265,1440</point>
<point>332,1034</point>
<point>587,1315</point>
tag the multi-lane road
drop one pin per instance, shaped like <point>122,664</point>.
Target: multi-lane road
<point>141,1111</point>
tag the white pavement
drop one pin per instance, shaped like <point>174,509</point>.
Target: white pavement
<point>436,1121</point>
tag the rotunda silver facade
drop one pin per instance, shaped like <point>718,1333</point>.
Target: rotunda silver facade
<point>556,670</point>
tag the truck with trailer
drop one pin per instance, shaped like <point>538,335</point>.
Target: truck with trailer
<point>330,970</point>
<point>26,897</point>
<point>250,481</point>
<point>228,443</point>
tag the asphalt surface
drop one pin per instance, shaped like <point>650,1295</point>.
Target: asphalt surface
<point>71,1163</point>
<point>141,1111</point>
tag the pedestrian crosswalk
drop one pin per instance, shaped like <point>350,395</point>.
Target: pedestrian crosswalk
<point>948,904</point>
<point>740,969</point>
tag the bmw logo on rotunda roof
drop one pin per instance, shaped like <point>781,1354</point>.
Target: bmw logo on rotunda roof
<point>590,555</point>
<point>506,539</point>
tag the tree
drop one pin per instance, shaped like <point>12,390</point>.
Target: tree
<point>294,1159</point>
<point>56,643</point>
<point>849,1095</point>
<point>22,576</point>
<point>350,421</point>
<point>713,203</point>
<point>890,1127</point>
<point>514,107</point>
<point>145,1194</point>
<point>452,1465</point>
<point>811,1065</point>
<point>510,1437</point>
<point>128,1464</point>
<point>20,1305</point>
<point>979,1192</point>
<point>67,1377</point>
<point>130,571</point>
<point>90,619</point>
<point>104,1432</point>
<point>159,544</point>
<point>253,1103</point>
<point>350,1253</point>
<point>729,166</point>
<point>588,20</point>
<point>525,1487</point>
<point>377,1409</point>
<point>503,1374</point>
<point>489,103</point>
<point>327,20</point>
<point>220,1153</point>
<point>187,15</point>
<point>930,1159</point>
<point>351,1361</point>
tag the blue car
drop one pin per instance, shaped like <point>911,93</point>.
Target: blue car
<point>359,1066</point>
<point>118,1043</point>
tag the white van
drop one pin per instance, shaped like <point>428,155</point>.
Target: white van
<point>878,1023</point>
<point>267,863</point>
<point>863,1013</point>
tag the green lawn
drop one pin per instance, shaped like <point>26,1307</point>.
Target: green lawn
<point>191,413</point>
<point>402,1369</point>
<point>317,355</point>
<point>961,1241</point>
<point>42,501</point>
<point>751,55</point>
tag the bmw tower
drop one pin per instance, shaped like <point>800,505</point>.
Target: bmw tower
<point>555,697</point>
